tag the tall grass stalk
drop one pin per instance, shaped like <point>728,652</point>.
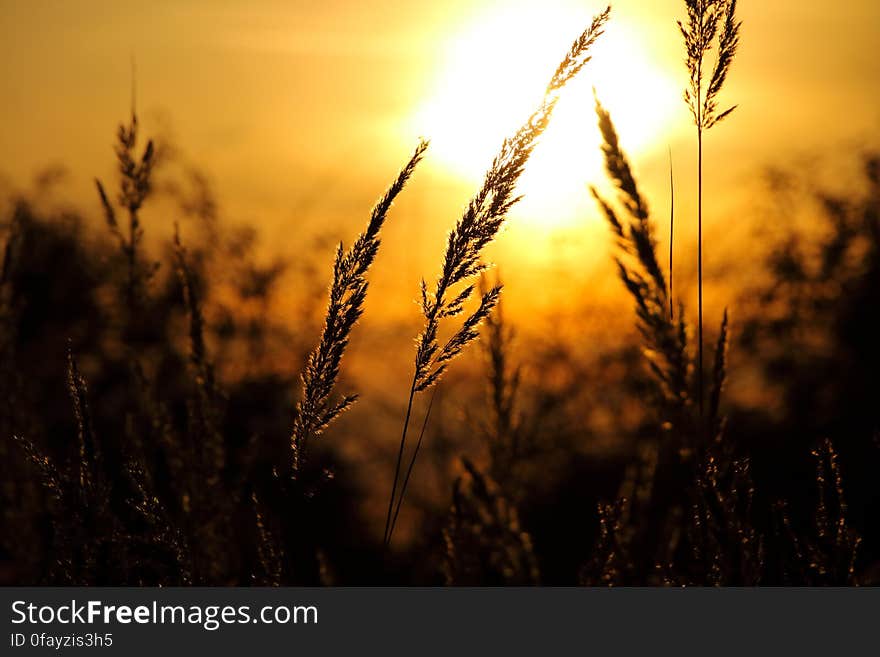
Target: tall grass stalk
<point>135,172</point>
<point>707,21</point>
<point>639,268</point>
<point>480,223</point>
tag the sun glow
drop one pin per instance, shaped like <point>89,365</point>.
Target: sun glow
<point>492,77</point>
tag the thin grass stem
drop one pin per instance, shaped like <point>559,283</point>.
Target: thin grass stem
<point>412,463</point>
<point>386,539</point>
<point>671,233</point>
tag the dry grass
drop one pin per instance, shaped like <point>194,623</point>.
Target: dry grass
<point>665,337</point>
<point>179,481</point>
<point>134,188</point>
<point>480,223</point>
<point>707,20</point>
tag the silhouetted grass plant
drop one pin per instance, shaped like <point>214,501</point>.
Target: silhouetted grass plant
<point>664,336</point>
<point>135,177</point>
<point>480,223</point>
<point>706,20</point>
<point>719,526</point>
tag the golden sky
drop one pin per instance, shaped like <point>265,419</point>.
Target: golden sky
<point>300,112</point>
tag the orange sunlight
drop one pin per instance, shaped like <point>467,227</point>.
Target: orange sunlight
<point>485,88</point>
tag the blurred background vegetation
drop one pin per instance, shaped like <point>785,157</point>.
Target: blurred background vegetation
<point>556,419</point>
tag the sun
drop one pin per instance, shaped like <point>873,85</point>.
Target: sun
<point>492,75</point>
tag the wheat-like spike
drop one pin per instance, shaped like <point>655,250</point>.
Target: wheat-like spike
<point>478,226</point>
<point>348,291</point>
<point>641,241</point>
<point>135,186</point>
<point>578,54</point>
<point>728,42</point>
<point>706,20</point>
<point>640,271</point>
<point>487,210</point>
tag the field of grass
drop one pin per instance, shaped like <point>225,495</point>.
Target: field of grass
<point>148,435</point>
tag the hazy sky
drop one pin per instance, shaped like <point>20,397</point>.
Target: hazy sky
<point>301,111</point>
